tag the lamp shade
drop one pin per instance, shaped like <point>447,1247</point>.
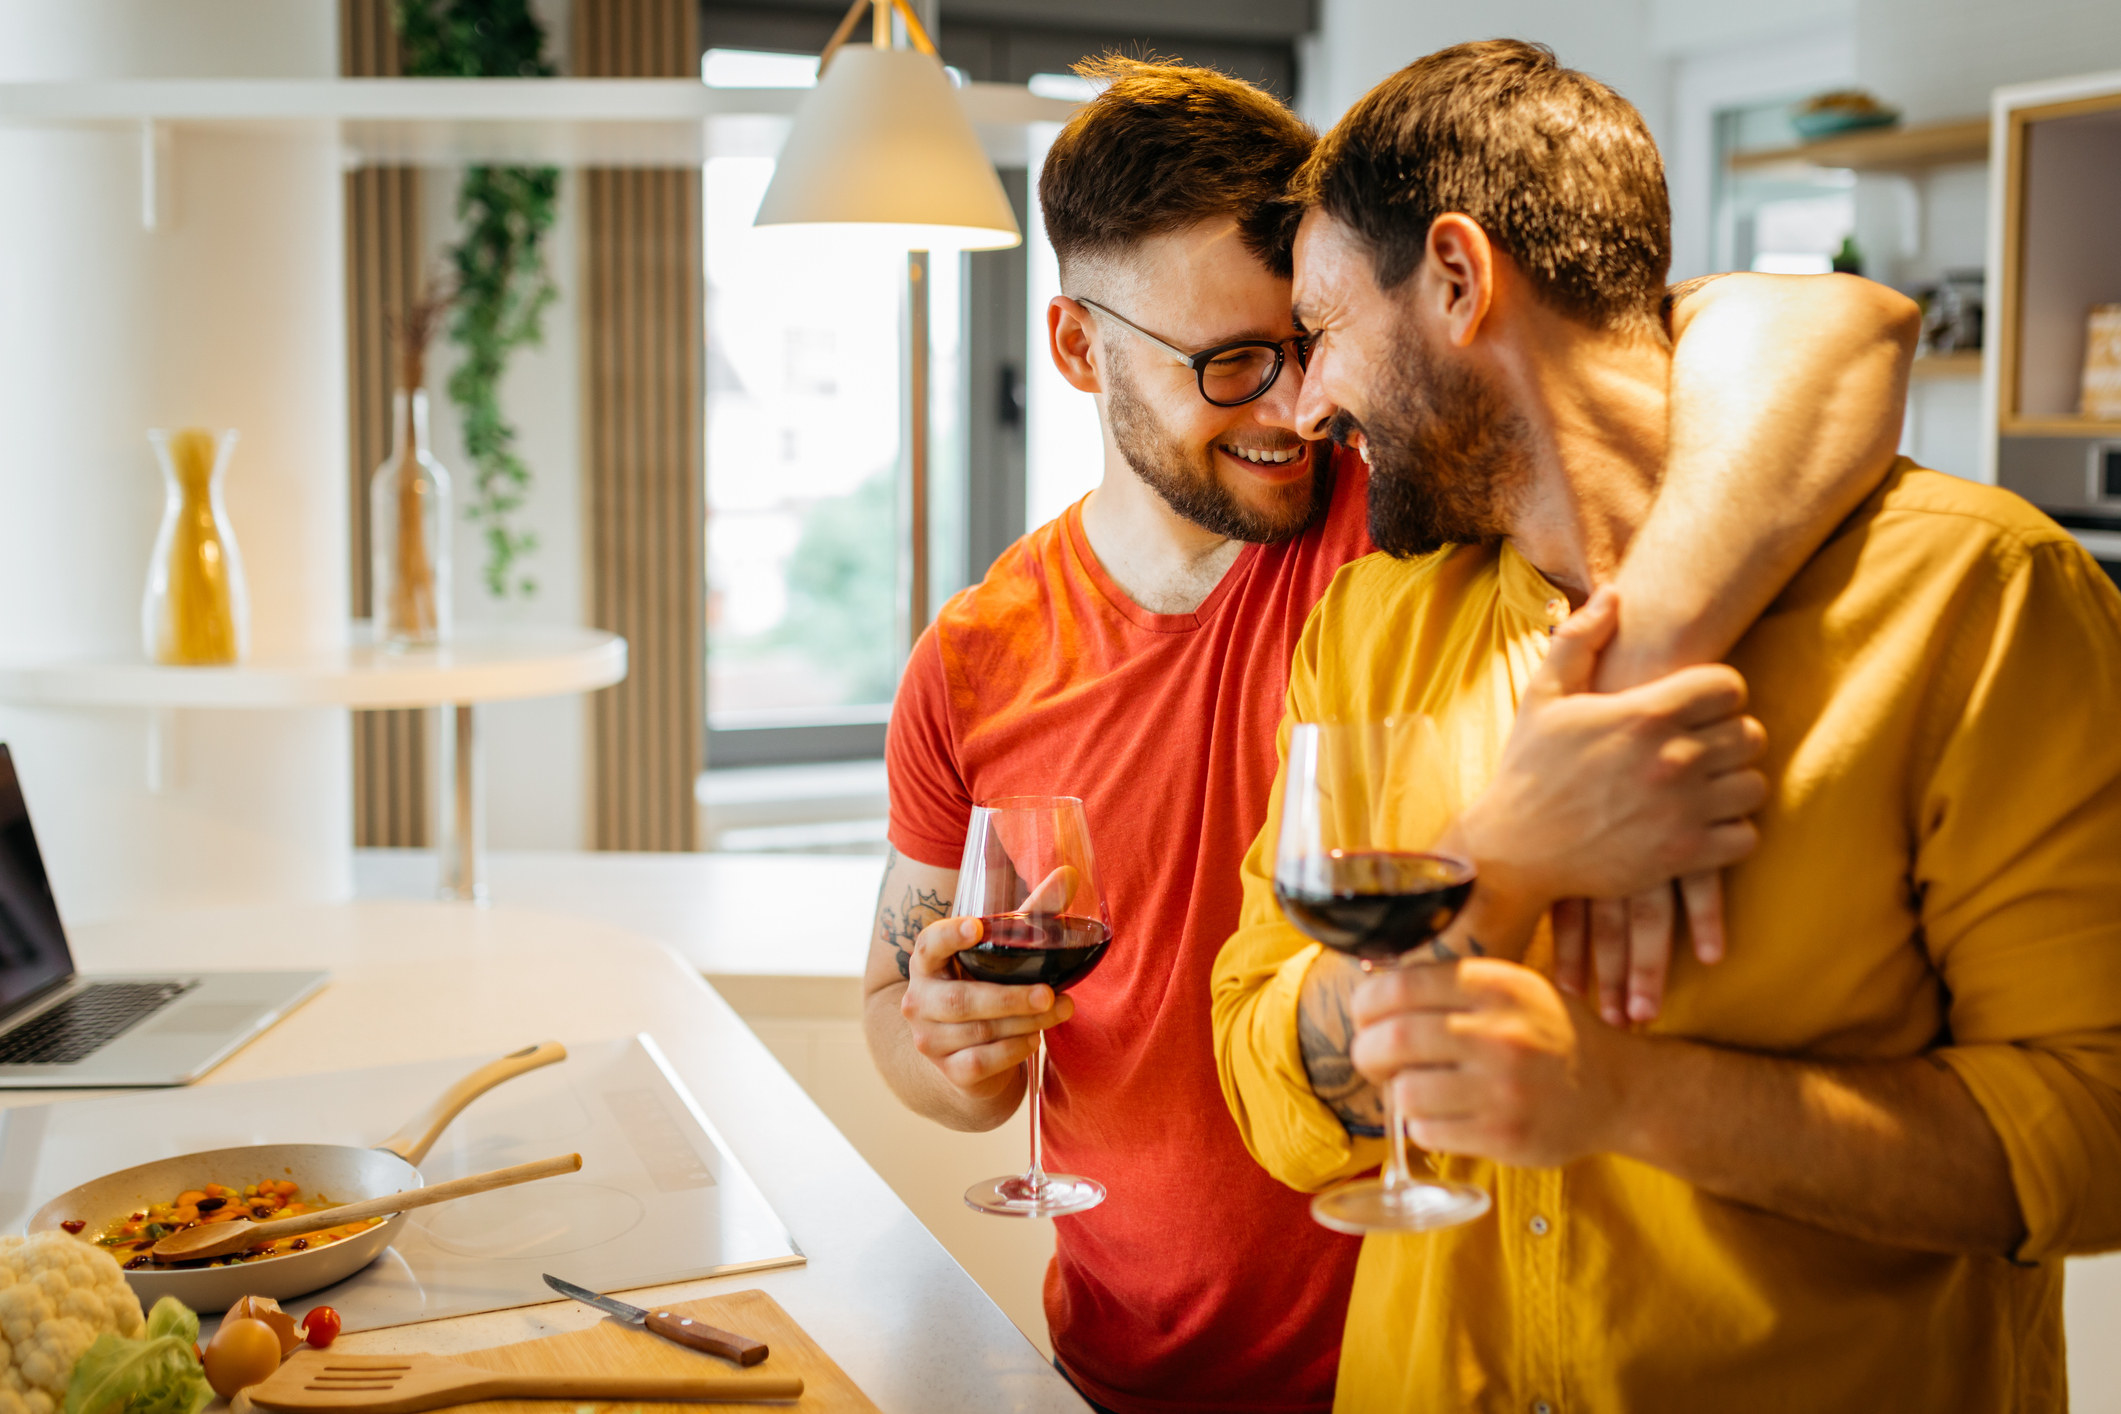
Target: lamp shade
<point>883,147</point>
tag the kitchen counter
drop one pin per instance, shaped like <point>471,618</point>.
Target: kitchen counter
<point>789,916</point>
<point>419,981</point>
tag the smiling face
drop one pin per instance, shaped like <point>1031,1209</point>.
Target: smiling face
<point>1447,450</point>
<point>1241,472</point>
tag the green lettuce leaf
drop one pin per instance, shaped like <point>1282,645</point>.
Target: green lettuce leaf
<point>173,1318</point>
<point>159,1374</point>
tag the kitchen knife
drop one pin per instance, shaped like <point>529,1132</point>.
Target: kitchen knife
<point>682,1329</point>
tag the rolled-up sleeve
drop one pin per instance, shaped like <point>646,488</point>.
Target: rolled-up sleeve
<point>2018,870</point>
<point>1258,983</point>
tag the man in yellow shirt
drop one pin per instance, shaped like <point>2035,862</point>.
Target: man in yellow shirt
<point>1841,1170</point>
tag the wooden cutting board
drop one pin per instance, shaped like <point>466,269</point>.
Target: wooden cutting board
<point>615,1346</point>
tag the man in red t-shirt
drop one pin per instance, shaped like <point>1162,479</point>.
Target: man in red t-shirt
<point>1135,653</point>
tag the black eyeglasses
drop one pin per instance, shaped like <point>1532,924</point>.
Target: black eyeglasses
<point>1231,374</point>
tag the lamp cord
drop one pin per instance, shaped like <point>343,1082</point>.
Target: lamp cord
<point>880,34</point>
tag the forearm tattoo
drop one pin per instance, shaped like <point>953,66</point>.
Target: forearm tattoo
<point>1325,1029</point>
<point>897,928</point>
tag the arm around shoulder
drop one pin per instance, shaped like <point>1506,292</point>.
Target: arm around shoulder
<point>1787,398</point>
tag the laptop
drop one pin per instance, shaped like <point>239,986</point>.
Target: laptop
<point>60,1029</point>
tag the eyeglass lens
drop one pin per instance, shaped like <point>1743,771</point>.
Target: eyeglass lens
<point>1239,375</point>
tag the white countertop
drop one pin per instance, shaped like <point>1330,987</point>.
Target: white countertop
<point>729,915</point>
<point>415,981</point>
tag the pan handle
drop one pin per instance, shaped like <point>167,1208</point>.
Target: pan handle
<point>412,1142</point>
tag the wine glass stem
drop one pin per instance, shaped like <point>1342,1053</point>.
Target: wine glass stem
<point>1035,1072</point>
<point>1397,1174</point>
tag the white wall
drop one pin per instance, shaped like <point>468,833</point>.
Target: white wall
<point>1360,41</point>
<point>1939,58</point>
<point>44,40</point>
<point>1693,26</point>
<point>229,314</point>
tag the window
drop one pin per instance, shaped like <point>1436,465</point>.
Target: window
<point>802,456</point>
<point>806,369</point>
<point>1783,219</point>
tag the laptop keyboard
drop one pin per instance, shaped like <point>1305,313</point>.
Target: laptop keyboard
<point>92,1017</point>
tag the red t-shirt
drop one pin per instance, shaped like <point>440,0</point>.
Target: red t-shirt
<point>1200,1283</point>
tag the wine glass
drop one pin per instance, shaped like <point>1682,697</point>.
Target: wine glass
<point>1029,876</point>
<point>1357,867</point>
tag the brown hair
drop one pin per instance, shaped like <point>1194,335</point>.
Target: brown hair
<point>1166,145</point>
<point>1558,169</point>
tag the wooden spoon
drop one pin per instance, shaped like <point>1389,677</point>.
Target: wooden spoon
<point>208,1240</point>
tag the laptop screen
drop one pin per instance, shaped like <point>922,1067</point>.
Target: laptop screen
<point>33,952</point>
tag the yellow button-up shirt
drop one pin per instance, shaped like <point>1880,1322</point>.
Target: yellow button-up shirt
<point>1939,873</point>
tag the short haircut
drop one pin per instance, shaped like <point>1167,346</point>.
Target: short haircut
<point>1558,169</point>
<point>1166,145</point>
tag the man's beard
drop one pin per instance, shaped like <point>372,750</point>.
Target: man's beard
<point>1185,477</point>
<point>1447,454</point>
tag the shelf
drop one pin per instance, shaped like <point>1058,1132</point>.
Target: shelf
<point>1883,149</point>
<point>483,664</point>
<point>2059,427</point>
<point>563,122</point>
<point>1937,367</point>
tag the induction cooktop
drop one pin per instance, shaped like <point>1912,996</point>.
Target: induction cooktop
<point>659,1197</point>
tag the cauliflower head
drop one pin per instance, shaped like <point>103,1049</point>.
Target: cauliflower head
<point>57,1294</point>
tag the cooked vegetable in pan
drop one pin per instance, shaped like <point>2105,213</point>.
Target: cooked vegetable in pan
<point>130,1237</point>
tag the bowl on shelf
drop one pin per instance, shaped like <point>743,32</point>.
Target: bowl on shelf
<point>1814,126</point>
<point>1844,110</point>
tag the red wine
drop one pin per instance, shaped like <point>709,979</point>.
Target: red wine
<point>1019,950</point>
<point>1375,906</point>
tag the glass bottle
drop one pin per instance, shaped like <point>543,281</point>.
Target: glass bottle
<point>197,606</point>
<point>408,531</point>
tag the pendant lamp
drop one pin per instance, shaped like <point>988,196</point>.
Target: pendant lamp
<point>882,149</point>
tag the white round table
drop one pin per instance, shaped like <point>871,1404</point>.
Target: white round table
<point>481,663</point>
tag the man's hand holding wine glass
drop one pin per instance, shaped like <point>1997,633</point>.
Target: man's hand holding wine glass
<point>1490,1059</point>
<point>976,1034</point>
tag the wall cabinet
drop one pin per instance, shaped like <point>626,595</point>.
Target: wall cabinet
<point>2054,253</point>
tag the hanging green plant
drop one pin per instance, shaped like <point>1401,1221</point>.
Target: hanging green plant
<point>503,286</point>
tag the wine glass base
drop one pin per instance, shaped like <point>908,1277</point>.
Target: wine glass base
<point>1424,1205</point>
<point>1017,1197</point>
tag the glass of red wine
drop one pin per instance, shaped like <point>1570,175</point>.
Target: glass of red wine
<point>1029,877</point>
<point>1358,867</point>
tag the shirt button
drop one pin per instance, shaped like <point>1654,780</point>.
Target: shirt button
<point>1557,609</point>
<point>1542,1407</point>
<point>1539,1229</point>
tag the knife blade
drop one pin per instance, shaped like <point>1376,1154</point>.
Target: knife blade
<point>682,1330</point>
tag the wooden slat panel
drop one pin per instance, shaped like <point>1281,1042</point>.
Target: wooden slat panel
<point>382,274</point>
<point>643,446</point>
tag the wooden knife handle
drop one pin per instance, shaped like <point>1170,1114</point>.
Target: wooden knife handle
<point>701,1336</point>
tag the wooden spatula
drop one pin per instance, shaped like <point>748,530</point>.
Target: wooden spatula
<point>407,1384</point>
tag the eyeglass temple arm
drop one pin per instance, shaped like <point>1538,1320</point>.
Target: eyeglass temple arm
<point>1185,359</point>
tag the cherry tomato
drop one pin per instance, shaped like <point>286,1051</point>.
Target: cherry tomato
<point>321,1326</point>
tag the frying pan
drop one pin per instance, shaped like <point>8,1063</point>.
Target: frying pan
<point>344,1172</point>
